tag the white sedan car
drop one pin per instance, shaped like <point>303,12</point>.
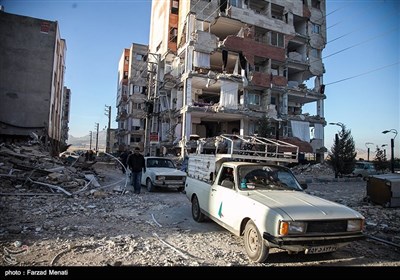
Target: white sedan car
<point>161,172</point>
<point>68,154</point>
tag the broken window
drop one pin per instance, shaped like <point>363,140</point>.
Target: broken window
<point>277,11</point>
<point>173,35</point>
<point>277,39</point>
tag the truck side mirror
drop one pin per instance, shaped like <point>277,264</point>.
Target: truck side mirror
<point>304,185</point>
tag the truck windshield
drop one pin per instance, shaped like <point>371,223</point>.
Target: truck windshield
<point>267,178</point>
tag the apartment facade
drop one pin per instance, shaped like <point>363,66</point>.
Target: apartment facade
<point>132,98</point>
<point>32,80</point>
<point>225,65</point>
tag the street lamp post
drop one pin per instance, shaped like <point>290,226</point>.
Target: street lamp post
<point>391,146</point>
<point>337,148</point>
<point>366,145</point>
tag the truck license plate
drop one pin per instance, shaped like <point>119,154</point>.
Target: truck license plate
<point>321,249</point>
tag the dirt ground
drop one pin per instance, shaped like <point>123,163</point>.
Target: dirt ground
<point>113,228</point>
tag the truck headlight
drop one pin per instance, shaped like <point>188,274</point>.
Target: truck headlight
<point>355,225</point>
<point>286,228</point>
<point>160,178</point>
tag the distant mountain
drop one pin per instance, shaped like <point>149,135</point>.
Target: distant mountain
<point>84,141</point>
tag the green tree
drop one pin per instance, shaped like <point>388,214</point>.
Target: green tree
<point>264,127</point>
<point>342,156</point>
<point>380,161</point>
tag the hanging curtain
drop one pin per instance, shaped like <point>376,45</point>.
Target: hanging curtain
<point>201,60</point>
<point>301,130</point>
<point>229,95</point>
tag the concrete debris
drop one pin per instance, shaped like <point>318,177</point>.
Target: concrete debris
<point>27,170</point>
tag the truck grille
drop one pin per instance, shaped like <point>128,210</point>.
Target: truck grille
<point>327,226</point>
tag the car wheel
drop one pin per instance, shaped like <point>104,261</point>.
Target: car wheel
<point>256,247</point>
<point>196,211</point>
<point>149,185</point>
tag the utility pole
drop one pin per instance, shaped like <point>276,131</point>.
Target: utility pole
<point>90,143</point>
<point>97,136</point>
<point>108,140</point>
<point>153,99</point>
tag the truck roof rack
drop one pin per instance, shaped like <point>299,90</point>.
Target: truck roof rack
<point>254,148</point>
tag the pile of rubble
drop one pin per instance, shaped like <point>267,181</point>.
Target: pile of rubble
<point>319,169</point>
<point>26,169</point>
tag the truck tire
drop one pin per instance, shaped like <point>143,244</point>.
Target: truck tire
<point>256,248</point>
<point>196,211</point>
<point>149,185</point>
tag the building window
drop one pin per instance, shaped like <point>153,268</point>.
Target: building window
<point>316,28</point>
<point>277,11</point>
<point>315,53</point>
<point>173,35</point>
<point>253,99</point>
<point>316,4</point>
<point>277,39</point>
<point>135,139</point>
<point>174,7</point>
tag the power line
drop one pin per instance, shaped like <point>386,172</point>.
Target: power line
<point>362,74</point>
<point>363,26</point>
<point>355,45</point>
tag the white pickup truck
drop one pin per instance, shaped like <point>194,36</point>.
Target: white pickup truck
<point>266,205</point>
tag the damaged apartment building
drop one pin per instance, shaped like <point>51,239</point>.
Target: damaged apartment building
<point>34,103</point>
<point>221,66</point>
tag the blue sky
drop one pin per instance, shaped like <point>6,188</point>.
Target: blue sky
<point>361,61</point>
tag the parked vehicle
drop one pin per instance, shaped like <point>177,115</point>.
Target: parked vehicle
<point>265,203</point>
<point>68,154</point>
<point>364,169</point>
<point>161,172</point>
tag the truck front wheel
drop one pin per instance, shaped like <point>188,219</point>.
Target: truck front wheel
<point>196,212</point>
<point>256,247</point>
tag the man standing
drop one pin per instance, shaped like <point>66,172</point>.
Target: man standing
<point>136,163</point>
